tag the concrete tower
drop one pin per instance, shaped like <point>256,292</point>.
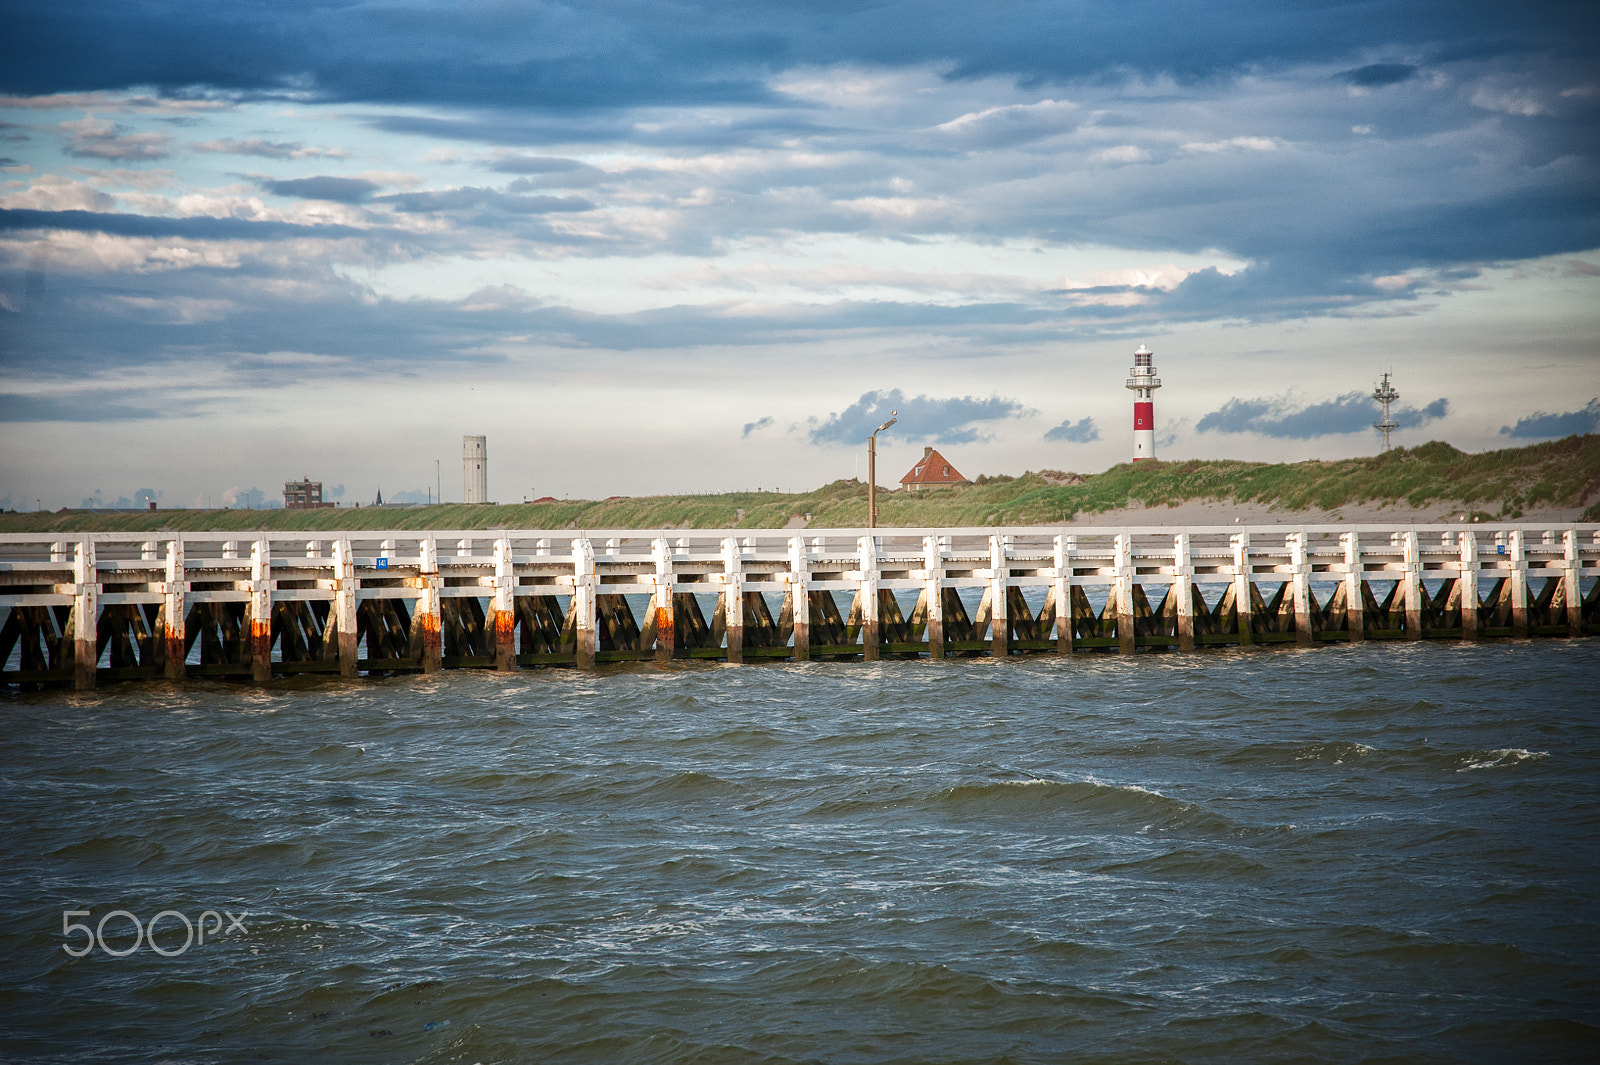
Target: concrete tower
<point>1143,382</point>
<point>475,469</point>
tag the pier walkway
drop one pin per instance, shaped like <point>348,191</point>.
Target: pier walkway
<point>81,609</point>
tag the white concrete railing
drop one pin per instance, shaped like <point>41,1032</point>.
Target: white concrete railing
<point>86,573</point>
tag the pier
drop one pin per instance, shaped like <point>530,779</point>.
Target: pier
<point>83,609</point>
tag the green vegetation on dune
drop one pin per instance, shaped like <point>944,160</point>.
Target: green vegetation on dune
<point>1496,484</point>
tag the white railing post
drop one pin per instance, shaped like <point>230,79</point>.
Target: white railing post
<point>583,601</point>
<point>867,546</point>
<point>260,619</point>
<point>1467,584</point>
<point>933,593</point>
<point>85,614</point>
<point>427,620</point>
<point>504,609</point>
<point>1300,587</point>
<point>174,618</point>
<point>1243,613</point>
<point>733,598</point>
<point>666,617</point>
<point>800,596</point>
<point>1183,588</point>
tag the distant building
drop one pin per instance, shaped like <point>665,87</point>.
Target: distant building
<point>300,495</point>
<point>475,469</point>
<point>933,471</point>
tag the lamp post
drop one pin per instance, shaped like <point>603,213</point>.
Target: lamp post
<point>872,470</point>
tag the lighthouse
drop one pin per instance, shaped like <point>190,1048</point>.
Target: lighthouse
<point>1143,382</point>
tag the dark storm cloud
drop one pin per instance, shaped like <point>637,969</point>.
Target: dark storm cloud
<point>599,54</point>
<point>1083,431</point>
<point>1542,426</point>
<point>1352,412</point>
<point>322,187</point>
<point>921,418</point>
<point>193,228</point>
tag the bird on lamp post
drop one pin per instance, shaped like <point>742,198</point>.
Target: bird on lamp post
<point>872,470</point>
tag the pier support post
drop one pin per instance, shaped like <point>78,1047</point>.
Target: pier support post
<point>85,615</point>
<point>665,611</point>
<point>343,611</point>
<point>260,619</point>
<point>933,593</point>
<point>1517,575</point>
<point>1243,614</point>
<point>1572,579</point>
<point>174,612</point>
<point>1065,548</point>
<point>800,597</point>
<point>1467,583</point>
<point>733,597</point>
<point>427,640</point>
<point>504,607</point>
<point>870,647</point>
<point>1355,609</point>
<point>1300,587</point>
<point>999,585</point>
<point>1124,586</point>
<point>1183,588</point>
<point>1411,574</point>
<point>583,601</point>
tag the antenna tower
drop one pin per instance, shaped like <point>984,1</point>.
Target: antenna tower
<point>1385,393</point>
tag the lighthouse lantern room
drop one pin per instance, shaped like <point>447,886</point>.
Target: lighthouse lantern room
<point>1143,382</point>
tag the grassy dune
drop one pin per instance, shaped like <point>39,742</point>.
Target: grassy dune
<point>1495,484</point>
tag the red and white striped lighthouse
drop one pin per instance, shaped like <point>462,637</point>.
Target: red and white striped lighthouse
<point>1143,382</point>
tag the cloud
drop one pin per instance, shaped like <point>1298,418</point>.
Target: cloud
<point>94,138</point>
<point>322,187</point>
<point>269,149</point>
<point>533,164</point>
<point>1352,412</point>
<point>921,418</point>
<point>457,199</point>
<point>756,426</point>
<point>1080,432</point>
<point>201,227</point>
<point>1540,425</point>
<point>1375,75</point>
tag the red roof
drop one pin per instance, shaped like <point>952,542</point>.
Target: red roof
<point>932,468</point>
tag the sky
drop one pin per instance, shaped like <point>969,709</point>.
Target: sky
<point>649,247</point>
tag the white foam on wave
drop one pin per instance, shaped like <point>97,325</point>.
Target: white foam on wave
<point>1503,757</point>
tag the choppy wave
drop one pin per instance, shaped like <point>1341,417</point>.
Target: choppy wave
<point>1238,856</point>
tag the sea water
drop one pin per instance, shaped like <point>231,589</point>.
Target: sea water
<point>1380,852</point>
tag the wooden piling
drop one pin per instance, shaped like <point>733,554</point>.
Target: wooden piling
<point>1064,547</point>
<point>1243,587</point>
